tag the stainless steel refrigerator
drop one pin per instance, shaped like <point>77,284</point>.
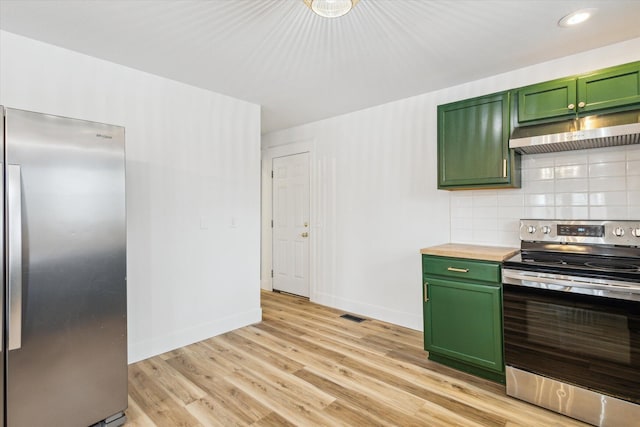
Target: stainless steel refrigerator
<point>64,343</point>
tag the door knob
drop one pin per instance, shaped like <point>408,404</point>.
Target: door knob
<point>305,234</point>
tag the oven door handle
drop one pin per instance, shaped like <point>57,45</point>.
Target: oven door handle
<point>552,284</point>
<point>614,289</point>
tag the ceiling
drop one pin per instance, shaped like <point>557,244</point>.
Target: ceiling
<point>301,67</point>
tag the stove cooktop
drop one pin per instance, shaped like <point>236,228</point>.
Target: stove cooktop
<point>605,267</point>
<point>588,248</point>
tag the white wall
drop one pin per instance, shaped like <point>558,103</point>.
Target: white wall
<point>193,187</point>
<point>376,202</point>
<point>373,206</point>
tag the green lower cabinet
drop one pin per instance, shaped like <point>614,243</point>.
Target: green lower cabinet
<point>463,322</point>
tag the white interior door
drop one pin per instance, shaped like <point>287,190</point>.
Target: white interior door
<point>291,224</point>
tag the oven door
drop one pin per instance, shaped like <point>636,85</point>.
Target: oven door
<point>566,330</point>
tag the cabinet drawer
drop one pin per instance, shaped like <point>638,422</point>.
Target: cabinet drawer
<point>461,269</point>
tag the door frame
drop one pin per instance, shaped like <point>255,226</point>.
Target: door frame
<point>266,245</point>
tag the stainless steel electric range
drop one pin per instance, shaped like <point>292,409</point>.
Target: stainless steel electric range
<point>571,303</point>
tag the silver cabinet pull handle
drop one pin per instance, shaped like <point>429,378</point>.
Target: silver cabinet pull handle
<point>571,106</point>
<point>14,255</point>
<point>458,270</point>
<point>581,104</point>
<point>426,291</point>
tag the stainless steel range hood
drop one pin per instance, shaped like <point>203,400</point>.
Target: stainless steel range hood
<point>595,131</point>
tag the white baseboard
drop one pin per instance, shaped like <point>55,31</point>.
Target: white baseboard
<point>158,345</point>
<point>266,284</point>
<point>407,320</point>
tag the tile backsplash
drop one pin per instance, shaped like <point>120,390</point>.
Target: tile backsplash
<point>602,183</point>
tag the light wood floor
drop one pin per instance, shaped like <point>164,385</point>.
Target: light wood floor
<point>303,365</point>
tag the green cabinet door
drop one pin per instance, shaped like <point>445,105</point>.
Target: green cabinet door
<point>473,144</point>
<point>614,87</point>
<point>607,89</point>
<point>463,323</point>
<point>556,98</point>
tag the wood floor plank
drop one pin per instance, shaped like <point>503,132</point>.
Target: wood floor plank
<point>419,360</point>
<point>313,350</point>
<point>174,383</point>
<point>208,412</point>
<point>304,330</point>
<point>316,312</point>
<point>286,383</point>
<point>327,319</point>
<point>473,414</point>
<point>156,403</point>
<point>416,389</point>
<point>431,414</point>
<point>232,402</point>
<point>295,411</point>
<point>136,417</point>
<point>304,365</point>
<point>273,420</point>
<point>218,412</point>
<point>268,356</point>
<point>349,373</point>
<point>351,416</point>
<point>366,363</point>
<point>379,411</point>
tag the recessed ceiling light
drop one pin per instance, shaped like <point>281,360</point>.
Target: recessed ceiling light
<point>576,17</point>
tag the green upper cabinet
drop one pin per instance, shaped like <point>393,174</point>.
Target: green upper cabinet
<point>556,98</point>
<point>473,144</point>
<point>610,88</point>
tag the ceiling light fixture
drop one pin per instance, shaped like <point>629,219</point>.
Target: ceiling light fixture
<point>576,17</point>
<point>331,8</point>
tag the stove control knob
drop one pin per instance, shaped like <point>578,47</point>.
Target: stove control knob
<point>618,231</point>
<point>531,229</point>
<point>636,232</point>
<point>546,229</point>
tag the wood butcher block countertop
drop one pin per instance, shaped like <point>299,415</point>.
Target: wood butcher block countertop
<point>459,250</point>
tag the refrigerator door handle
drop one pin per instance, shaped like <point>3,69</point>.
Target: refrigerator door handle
<point>14,255</point>
<point>2,259</point>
